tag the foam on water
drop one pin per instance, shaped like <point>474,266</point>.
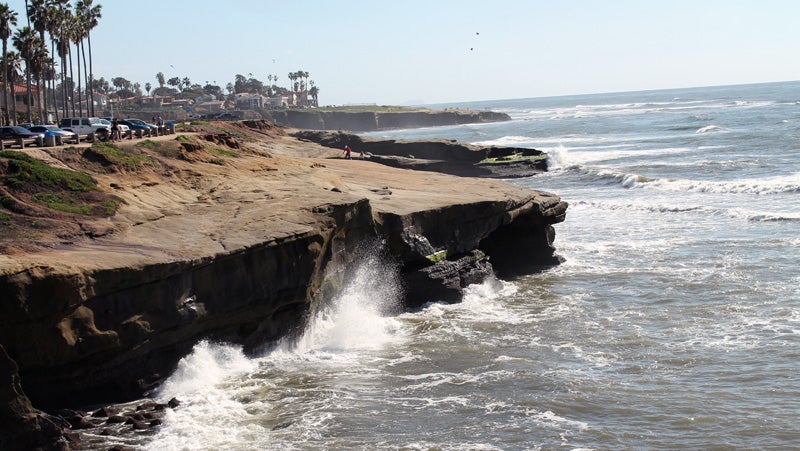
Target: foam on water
<point>210,416</point>
<point>358,319</point>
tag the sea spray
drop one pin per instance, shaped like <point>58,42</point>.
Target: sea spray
<point>210,415</point>
<point>357,318</point>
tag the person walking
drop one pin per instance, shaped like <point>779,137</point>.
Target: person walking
<point>347,151</point>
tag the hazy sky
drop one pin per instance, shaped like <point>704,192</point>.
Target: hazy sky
<point>434,51</point>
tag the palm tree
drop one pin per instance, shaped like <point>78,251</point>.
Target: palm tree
<point>8,18</point>
<point>13,65</point>
<point>148,87</point>
<point>88,15</point>
<point>28,43</point>
<point>38,14</point>
<point>76,36</point>
<point>63,50</point>
<point>314,92</point>
<point>55,14</point>
<point>161,79</point>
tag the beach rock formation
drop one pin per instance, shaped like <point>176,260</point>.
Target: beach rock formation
<point>370,121</point>
<point>445,156</point>
<point>242,249</point>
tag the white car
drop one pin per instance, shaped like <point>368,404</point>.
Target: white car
<point>124,129</point>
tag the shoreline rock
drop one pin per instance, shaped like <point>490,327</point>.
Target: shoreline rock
<point>439,155</point>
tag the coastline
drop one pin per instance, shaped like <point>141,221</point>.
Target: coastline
<point>239,251</point>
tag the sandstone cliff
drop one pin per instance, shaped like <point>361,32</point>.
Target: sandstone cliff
<point>368,121</point>
<point>233,236</point>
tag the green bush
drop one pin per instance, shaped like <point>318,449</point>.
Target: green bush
<point>120,157</point>
<point>24,170</point>
<point>57,202</point>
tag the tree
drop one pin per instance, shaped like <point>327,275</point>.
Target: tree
<point>8,18</point>
<point>29,46</point>
<point>54,13</point>
<point>88,15</point>
<point>160,79</point>
<point>13,64</point>
<point>174,82</point>
<point>314,92</point>
<point>148,87</point>
<point>37,14</point>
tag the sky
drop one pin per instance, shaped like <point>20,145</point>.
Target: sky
<point>437,51</point>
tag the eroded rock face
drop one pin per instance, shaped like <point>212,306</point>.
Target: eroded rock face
<point>112,335</point>
<point>367,121</point>
<point>116,333</point>
<point>21,426</point>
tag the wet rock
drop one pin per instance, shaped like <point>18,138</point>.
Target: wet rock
<point>155,422</point>
<point>282,426</point>
<point>139,425</point>
<point>173,403</point>
<point>78,422</point>
<point>150,405</point>
<point>116,419</point>
<point>103,412</point>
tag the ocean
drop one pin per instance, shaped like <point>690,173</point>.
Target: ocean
<point>673,323</point>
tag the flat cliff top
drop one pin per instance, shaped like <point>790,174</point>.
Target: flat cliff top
<point>230,189</point>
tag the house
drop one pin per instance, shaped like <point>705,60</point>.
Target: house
<point>277,102</point>
<point>21,96</point>
<point>249,101</point>
<point>210,107</point>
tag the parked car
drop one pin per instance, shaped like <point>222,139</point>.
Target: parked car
<point>16,132</point>
<point>85,126</point>
<point>123,129</point>
<point>225,116</point>
<point>140,122</point>
<point>52,130</point>
<point>133,125</point>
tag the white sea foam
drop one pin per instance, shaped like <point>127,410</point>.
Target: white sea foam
<point>209,416</point>
<point>763,186</point>
<point>710,129</point>
<point>358,318</point>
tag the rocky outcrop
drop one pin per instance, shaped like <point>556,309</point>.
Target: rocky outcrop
<point>21,426</point>
<point>368,121</point>
<point>439,155</point>
<point>243,253</point>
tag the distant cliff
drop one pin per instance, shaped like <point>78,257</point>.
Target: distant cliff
<point>367,121</point>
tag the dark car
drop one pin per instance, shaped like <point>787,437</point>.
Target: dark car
<point>52,130</point>
<point>17,132</point>
<point>134,125</point>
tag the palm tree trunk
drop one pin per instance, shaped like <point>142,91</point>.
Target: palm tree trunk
<point>5,83</point>
<point>89,99</point>
<point>64,86</point>
<point>41,98</point>
<point>28,85</point>
<point>71,92</point>
<point>91,73</point>
<point>80,87</point>
<point>53,81</point>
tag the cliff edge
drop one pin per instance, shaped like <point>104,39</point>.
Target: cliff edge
<point>230,233</point>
